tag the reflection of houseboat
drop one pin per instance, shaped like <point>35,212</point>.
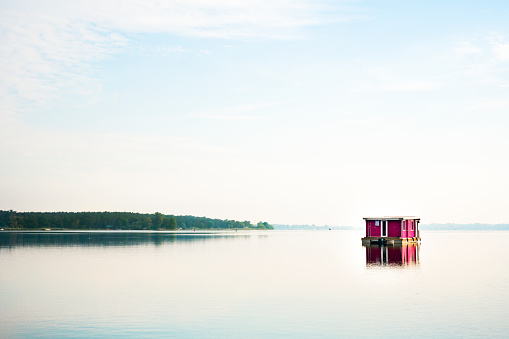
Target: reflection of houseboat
<point>392,255</point>
<point>392,230</point>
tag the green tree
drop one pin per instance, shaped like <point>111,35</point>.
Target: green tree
<point>123,222</point>
<point>147,223</point>
<point>31,222</point>
<point>14,221</point>
<point>173,223</point>
<point>157,220</point>
<point>264,226</point>
<point>43,221</point>
<point>166,223</point>
<point>75,223</point>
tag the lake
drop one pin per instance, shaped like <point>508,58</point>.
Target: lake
<point>252,284</point>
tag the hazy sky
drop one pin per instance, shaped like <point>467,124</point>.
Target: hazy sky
<point>284,111</point>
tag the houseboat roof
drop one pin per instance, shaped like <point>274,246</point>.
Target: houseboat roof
<point>393,218</point>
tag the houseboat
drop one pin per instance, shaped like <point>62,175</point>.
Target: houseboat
<point>392,230</point>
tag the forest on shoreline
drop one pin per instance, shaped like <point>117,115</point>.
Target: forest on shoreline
<point>117,221</point>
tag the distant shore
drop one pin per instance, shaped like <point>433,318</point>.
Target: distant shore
<point>464,227</point>
<point>189,231</point>
<point>14,220</point>
<point>422,227</point>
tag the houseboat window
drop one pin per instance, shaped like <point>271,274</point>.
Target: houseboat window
<point>412,224</point>
<point>404,226</point>
<point>377,223</point>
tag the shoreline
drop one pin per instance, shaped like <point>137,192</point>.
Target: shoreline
<point>192,231</point>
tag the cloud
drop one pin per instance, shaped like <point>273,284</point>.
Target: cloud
<point>501,51</point>
<point>231,117</point>
<point>464,48</point>
<point>412,86</point>
<point>480,61</point>
<point>240,112</point>
<point>490,105</point>
<point>51,47</point>
<point>470,61</point>
<point>42,54</point>
<point>222,18</point>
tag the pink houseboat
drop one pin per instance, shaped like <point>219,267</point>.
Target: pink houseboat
<point>392,230</point>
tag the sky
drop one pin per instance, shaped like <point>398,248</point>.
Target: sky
<point>290,112</point>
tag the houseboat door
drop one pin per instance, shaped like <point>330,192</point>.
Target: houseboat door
<point>384,228</point>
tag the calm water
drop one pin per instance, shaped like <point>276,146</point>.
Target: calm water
<point>252,284</point>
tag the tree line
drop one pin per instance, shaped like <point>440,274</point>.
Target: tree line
<point>117,221</point>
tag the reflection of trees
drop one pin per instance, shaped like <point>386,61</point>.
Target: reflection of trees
<point>22,239</point>
<point>100,239</point>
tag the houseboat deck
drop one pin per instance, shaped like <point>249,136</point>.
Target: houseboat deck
<point>389,240</point>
